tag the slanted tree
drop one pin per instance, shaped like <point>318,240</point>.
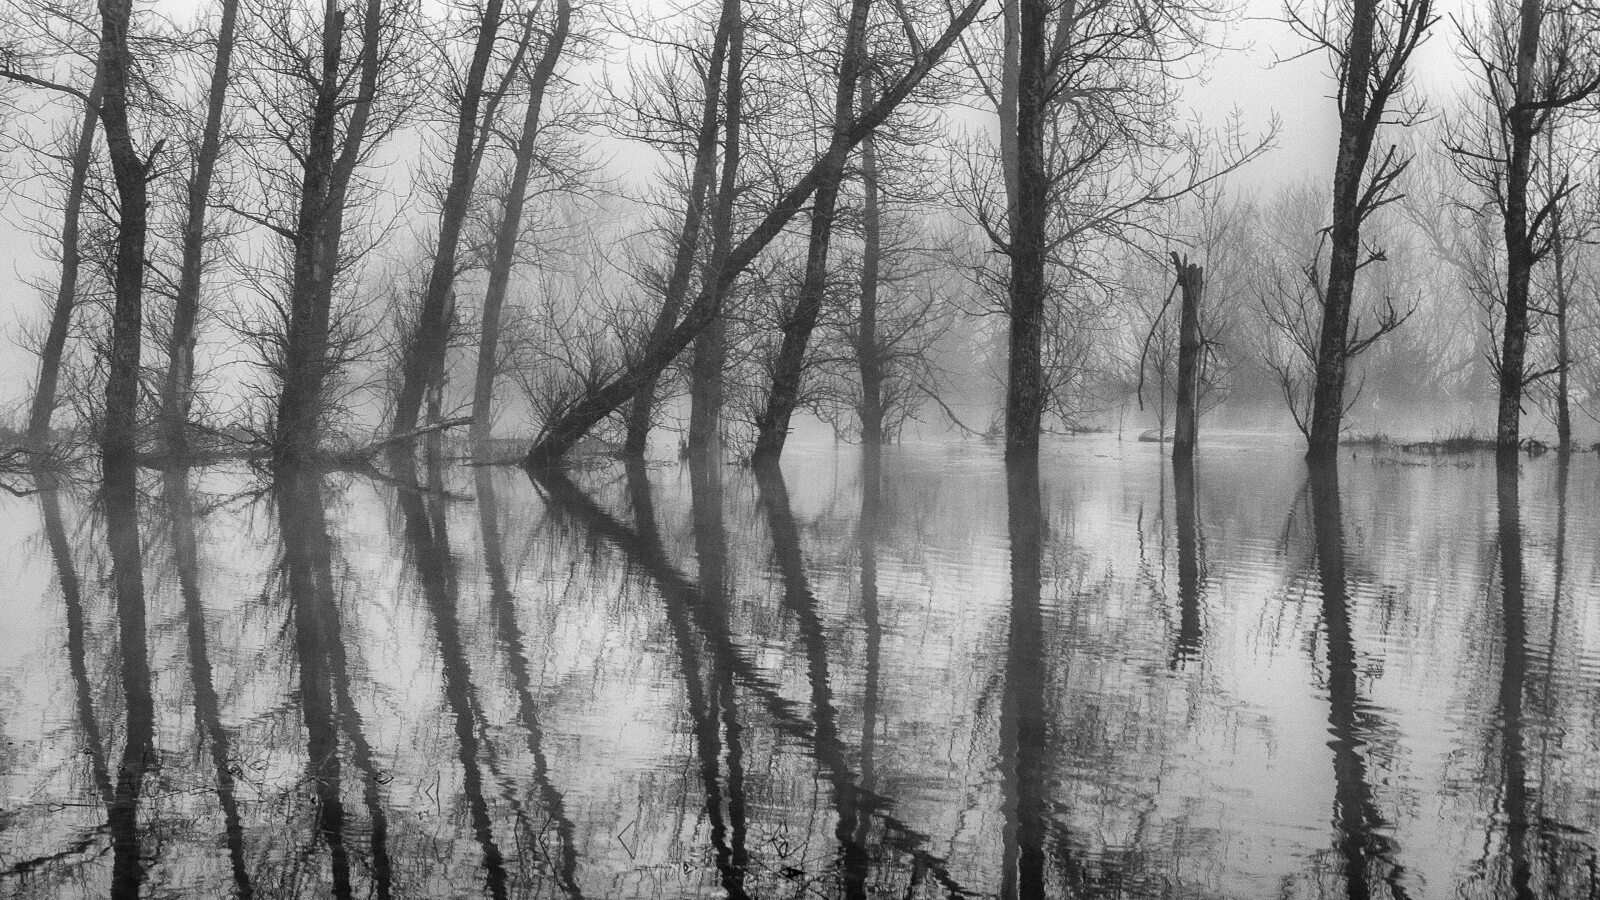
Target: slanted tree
<point>177,392</point>
<point>686,244</point>
<point>426,346</point>
<point>508,230</point>
<point>43,406</point>
<point>772,423</point>
<point>604,396</point>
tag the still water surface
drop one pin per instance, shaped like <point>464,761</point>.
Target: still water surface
<point>1103,678</point>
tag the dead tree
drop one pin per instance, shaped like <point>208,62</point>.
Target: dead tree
<point>503,254</point>
<point>1522,95</point>
<point>1086,98</point>
<point>1191,290</point>
<point>1371,48</point>
<point>772,424</point>
<point>426,348</point>
<point>575,417</point>
<point>178,388</point>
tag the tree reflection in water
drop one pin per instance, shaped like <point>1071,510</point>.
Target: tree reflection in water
<point>1366,849</point>
<point>877,672</point>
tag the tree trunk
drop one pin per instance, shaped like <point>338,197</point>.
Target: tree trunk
<point>1025,387</point>
<point>1355,145</point>
<point>306,343</point>
<point>711,347</point>
<point>119,428</point>
<point>1558,254</point>
<point>559,434</point>
<point>327,169</point>
<point>55,341</point>
<point>504,254</point>
<point>1186,426</point>
<point>177,391</point>
<point>868,358</point>
<point>642,411</point>
<point>1521,125</point>
<point>423,363</point>
<point>772,425</point>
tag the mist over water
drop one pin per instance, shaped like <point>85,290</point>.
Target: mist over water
<point>1105,677</point>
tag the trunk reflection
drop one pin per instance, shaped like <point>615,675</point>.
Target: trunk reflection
<point>1366,851</point>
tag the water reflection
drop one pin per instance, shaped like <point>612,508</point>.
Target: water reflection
<point>120,495</point>
<point>878,672</point>
<point>1367,851</point>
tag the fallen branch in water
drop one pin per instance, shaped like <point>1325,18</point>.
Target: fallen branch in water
<point>375,446</point>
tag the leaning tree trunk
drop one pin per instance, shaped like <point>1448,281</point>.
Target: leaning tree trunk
<point>1355,145</point>
<point>772,425</point>
<point>1025,387</point>
<point>706,392</point>
<point>1186,427</point>
<point>119,426</point>
<point>868,358</point>
<point>504,254</point>
<point>425,351</point>
<point>642,411</point>
<point>177,393</point>
<point>1520,123</point>
<point>561,433</point>
<point>55,340</point>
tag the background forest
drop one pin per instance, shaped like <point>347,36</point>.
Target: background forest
<point>297,229</point>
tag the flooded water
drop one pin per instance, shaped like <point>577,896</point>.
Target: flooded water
<point>1103,678</point>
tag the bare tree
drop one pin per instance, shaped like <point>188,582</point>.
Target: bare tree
<point>686,244</point>
<point>427,345</point>
<point>711,346</point>
<point>561,432</point>
<point>1533,62</point>
<point>1097,151</point>
<point>324,112</point>
<point>119,426</point>
<point>772,424</point>
<point>1370,43</point>
<point>508,230</point>
<point>178,388</point>
<point>66,297</point>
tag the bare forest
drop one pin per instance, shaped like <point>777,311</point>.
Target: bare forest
<point>309,232</point>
